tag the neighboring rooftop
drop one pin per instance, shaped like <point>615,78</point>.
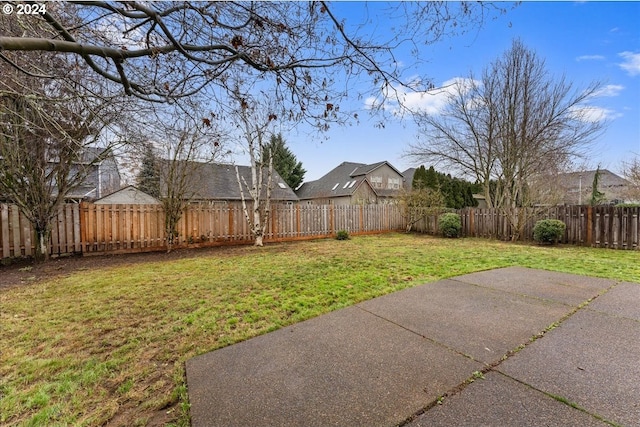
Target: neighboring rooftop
<point>408,178</point>
<point>607,179</point>
<point>343,180</point>
<point>217,181</point>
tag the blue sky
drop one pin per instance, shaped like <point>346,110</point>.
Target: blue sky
<point>585,41</point>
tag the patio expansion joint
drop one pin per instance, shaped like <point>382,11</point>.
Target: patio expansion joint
<point>558,398</point>
<point>492,367</point>
<point>537,298</point>
<point>431,340</point>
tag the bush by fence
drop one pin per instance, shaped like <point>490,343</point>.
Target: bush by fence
<point>598,226</point>
<point>549,231</point>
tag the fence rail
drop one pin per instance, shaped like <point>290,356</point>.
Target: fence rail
<point>88,228</point>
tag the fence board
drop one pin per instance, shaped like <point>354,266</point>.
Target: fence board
<point>4,231</point>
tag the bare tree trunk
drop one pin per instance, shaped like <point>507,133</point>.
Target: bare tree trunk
<point>254,128</point>
<point>42,244</point>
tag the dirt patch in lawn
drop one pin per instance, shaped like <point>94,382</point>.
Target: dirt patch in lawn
<point>23,272</point>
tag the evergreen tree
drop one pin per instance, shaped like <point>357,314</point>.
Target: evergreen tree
<point>597,197</point>
<point>148,179</point>
<point>284,161</point>
<point>469,200</point>
<point>457,193</point>
<point>419,178</point>
<point>431,178</point>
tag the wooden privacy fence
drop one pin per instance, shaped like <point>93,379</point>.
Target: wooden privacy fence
<point>94,229</point>
<point>598,226</point>
<point>17,238</point>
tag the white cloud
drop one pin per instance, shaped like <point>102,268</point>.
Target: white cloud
<point>431,102</point>
<point>590,58</point>
<point>593,114</point>
<point>631,62</point>
<point>609,90</point>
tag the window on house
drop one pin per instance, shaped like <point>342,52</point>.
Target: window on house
<point>346,185</point>
<point>376,181</point>
<point>282,185</point>
<point>352,184</point>
<point>335,186</point>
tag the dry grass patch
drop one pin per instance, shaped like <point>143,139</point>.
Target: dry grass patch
<point>107,346</point>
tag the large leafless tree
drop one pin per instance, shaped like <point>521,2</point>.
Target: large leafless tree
<point>512,130</point>
<point>162,51</point>
<point>49,131</point>
<point>182,140</point>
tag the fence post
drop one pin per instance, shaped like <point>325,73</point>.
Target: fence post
<point>590,225</point>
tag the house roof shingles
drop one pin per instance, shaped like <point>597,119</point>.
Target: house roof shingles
<point>343,180</point>
<point>607,179</point>
<point>217,181</point>
<point>408,178</point>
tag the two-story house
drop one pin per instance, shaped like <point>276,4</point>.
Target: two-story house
<point>354,183</point>
<point>100,176</point>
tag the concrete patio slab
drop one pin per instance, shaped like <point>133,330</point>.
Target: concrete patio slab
<point>382,361</point>
<point>567,288</point>
<point>480,322</point>
<point>344,368</point>
<point>623,300</point>
<point>591,359</point>
<point>497,400</point>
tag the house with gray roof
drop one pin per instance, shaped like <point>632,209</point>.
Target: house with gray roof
<point>577,187</point>
<point>218,183</point>
<point>354,183</point>
<point>95,174</point>
<point>128,195</point>
<point>101,175</point>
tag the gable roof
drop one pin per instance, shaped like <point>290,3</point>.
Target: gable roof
<point>607,179</point>
<point>343,180</point>
<point>128,195</point>
<point>218,181</point>
<point>408,178</point>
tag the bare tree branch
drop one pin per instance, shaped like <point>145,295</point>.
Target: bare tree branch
<point>297,47</point>
<point>513,131</point>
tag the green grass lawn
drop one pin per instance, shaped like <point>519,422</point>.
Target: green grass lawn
<point>108,346</point>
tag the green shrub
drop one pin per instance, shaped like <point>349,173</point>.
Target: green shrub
<point>450,225</point>
<point>342,235</point>
<point>548,231</point>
